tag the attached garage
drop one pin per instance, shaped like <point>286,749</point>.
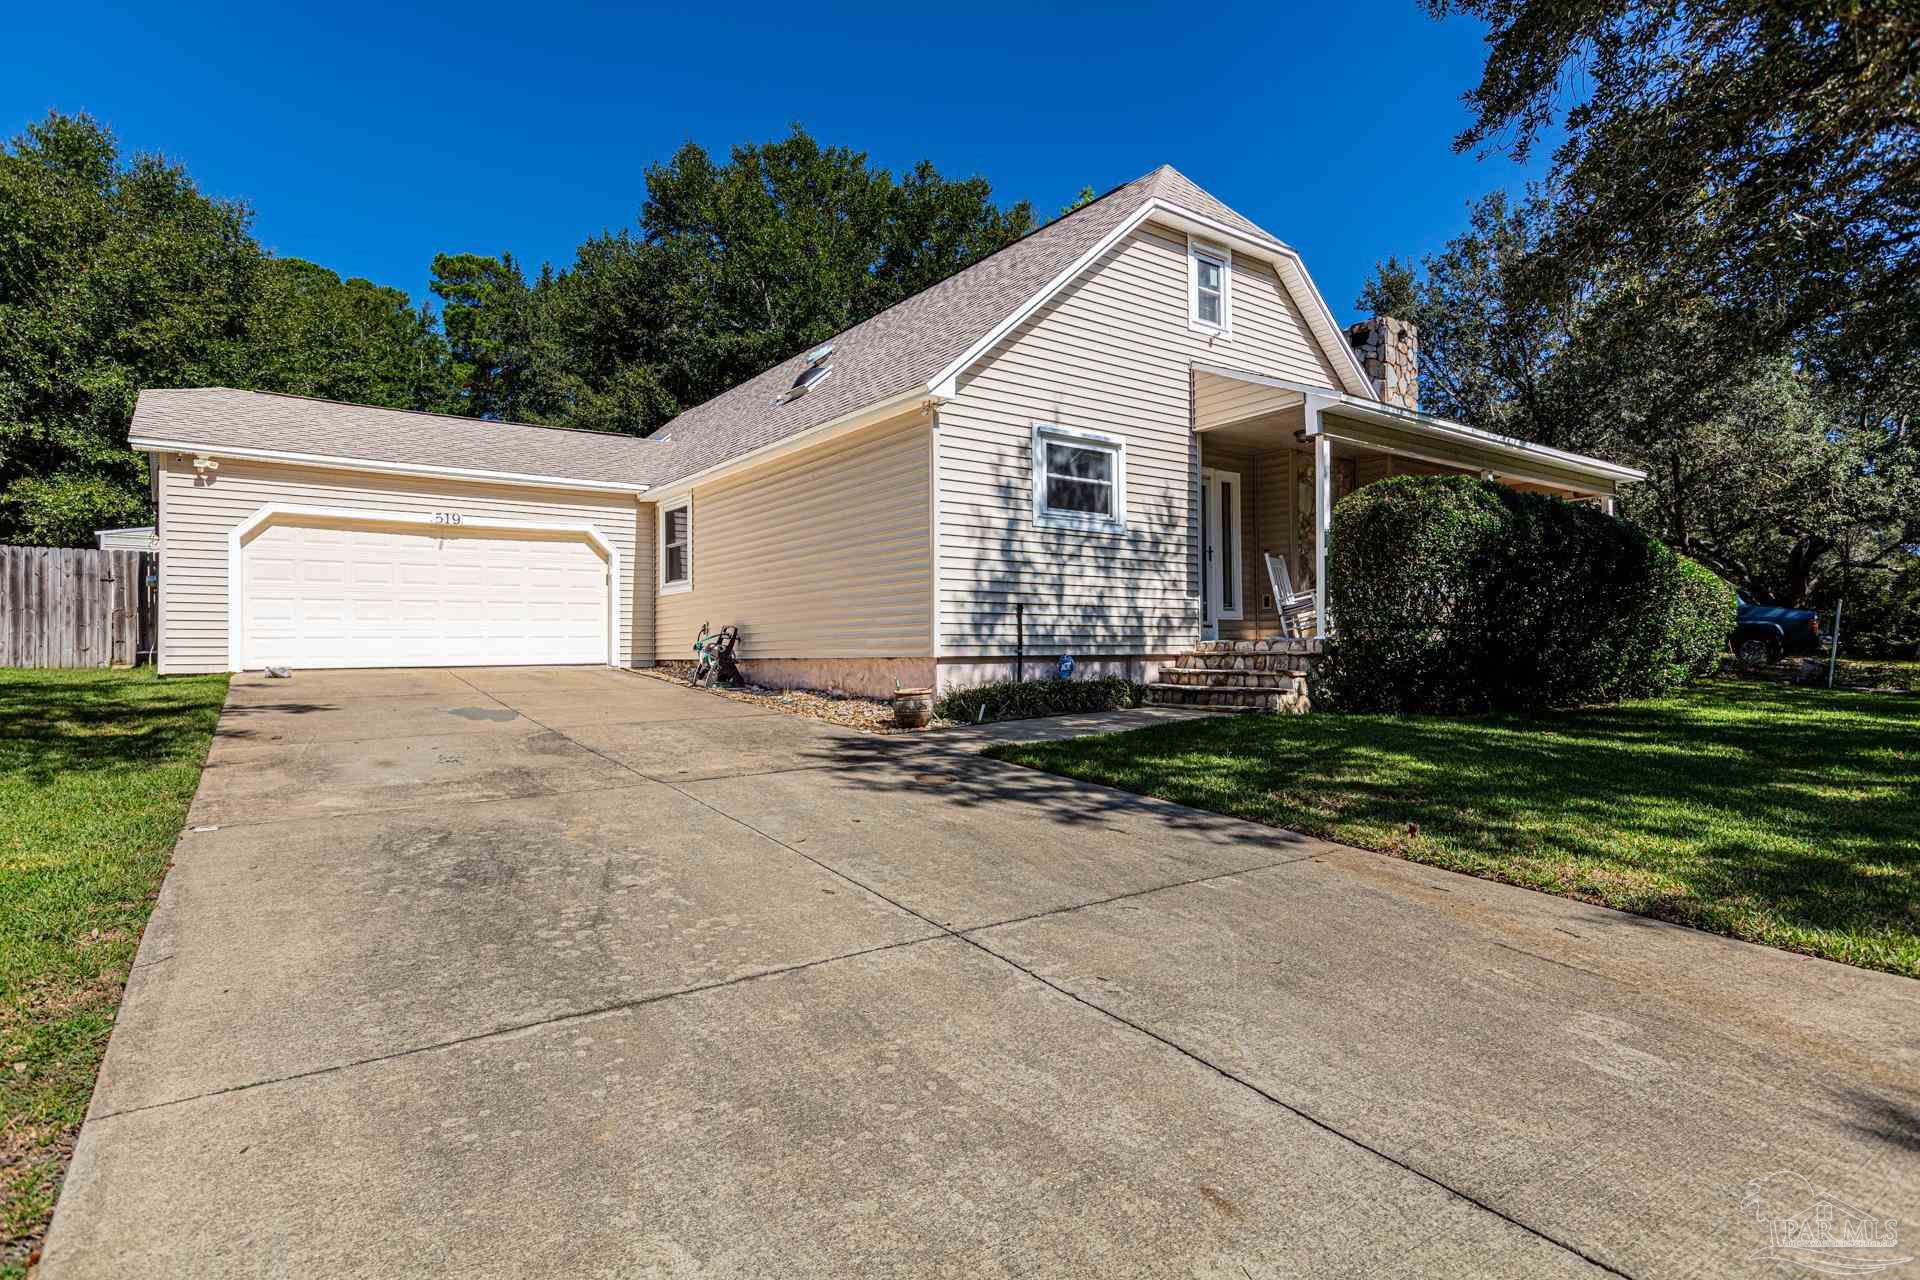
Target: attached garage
<point>307,534</point>
<point>320,588</point>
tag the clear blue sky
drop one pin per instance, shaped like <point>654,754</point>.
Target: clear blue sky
<point>368,139</point>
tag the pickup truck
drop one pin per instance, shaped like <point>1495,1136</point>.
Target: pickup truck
<point>1764,633</point>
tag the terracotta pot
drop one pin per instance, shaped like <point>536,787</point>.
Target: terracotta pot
<point>912,708</point>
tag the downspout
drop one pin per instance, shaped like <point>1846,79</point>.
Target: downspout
<point>1019,641</point>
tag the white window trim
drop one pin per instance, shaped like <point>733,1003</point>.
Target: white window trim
<point>1044,432</point>
<point>666,588</point>
<point>1196,250</point>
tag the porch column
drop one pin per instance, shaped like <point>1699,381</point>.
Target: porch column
<point>1322,516</point>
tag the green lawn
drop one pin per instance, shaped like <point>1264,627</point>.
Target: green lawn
<point>1781,815</point>
<point>96,771</point>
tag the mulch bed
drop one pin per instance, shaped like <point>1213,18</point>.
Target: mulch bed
<point>870,715</point>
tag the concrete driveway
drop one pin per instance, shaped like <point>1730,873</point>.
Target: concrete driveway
<point>570,972</point>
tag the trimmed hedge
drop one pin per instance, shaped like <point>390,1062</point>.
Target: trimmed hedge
<point>1451,594</point>
<point>1024,699</point>
<point>1703,618</point>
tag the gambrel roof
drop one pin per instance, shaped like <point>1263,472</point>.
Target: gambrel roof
<point>923,341</point>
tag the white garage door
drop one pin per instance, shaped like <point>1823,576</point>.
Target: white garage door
<point>347,595</point>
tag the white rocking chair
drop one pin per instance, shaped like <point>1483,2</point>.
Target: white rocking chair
<point>1299,615</point>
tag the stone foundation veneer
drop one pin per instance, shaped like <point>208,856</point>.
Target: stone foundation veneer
<point>1253,675</point>
<point>964,673</point>
<point>1245,675</point>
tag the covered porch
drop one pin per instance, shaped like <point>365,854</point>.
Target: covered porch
<point>1274,456</point>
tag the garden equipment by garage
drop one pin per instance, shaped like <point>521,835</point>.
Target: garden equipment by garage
<point>713,657</point>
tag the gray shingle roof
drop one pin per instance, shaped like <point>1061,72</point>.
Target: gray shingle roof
<point>219,417</point>
<point>888,355</point>
<point>907,344</point>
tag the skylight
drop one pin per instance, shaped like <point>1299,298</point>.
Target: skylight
<point>817,369</point>
<point>810,377</point>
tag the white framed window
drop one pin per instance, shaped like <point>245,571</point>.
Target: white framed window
<point>1079,478</point>
<point>676,547</point>
<point>1209,288</point>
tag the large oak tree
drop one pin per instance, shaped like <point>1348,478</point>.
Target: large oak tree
<point>118,274</point>
<point>1719,277</point>
<point>1764,155</point>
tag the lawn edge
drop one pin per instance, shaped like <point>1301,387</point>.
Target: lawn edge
<point>1004,753</point>
<point>21,1255</point>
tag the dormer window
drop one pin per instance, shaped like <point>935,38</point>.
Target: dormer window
<point>1209,288</point>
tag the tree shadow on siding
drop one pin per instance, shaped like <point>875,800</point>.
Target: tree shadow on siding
<point>1131,592</point>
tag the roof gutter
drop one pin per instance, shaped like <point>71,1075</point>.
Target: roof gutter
<point>334,462</point>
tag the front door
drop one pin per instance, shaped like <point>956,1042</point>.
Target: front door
<point>1220,559</point>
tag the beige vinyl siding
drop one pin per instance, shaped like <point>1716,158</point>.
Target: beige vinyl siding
<point>197,513</point>
<point>826,554</point>
<point>1275,523</point>
<point>1222,400</point>
<point>1111,353</point>
<point>141,539</point>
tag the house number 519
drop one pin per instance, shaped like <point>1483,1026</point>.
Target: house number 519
<point>446,517</point>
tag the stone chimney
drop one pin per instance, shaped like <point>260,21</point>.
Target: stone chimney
<point>1389,351</point>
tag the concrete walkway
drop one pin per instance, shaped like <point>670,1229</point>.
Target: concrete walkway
<point>565,972</point>
<point>1052,728</point>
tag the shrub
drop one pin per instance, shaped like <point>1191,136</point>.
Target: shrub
<point>1405,570</point>
<point>1877,645</point>
<point>1457,594</point>
<point>1702,619</point>
<point>1023,699</point>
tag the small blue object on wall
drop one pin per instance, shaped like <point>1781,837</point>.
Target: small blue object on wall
<point>1066,666</point>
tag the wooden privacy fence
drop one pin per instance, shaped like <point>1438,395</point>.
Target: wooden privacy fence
<point>67,608</point>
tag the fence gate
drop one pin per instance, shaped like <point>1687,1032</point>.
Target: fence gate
<point>75,608</point>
